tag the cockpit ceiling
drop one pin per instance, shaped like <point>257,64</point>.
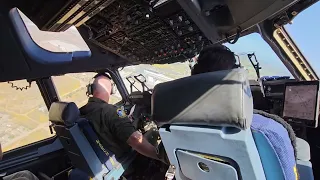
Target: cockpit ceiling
<point>151,31</point>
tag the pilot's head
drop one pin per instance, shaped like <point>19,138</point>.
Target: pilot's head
<point>102,88</point>
<point>214,58</point>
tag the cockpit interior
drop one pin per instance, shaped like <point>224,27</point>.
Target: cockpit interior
<point>42,41</point>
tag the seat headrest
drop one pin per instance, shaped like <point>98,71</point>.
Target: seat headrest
<point>64,113</point>
<point>221,98</point>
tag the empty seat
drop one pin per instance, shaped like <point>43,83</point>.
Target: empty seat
<point>82,144</point>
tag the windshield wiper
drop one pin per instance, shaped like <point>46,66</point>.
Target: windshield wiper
<point>256,64</point>
<point>131,80</point>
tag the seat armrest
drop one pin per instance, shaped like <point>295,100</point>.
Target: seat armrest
<point>303,150</point>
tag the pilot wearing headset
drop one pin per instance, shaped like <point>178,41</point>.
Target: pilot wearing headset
<point>115,130</point>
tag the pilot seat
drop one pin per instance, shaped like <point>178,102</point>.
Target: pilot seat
<point>82,145</point>
<point>205,129</point>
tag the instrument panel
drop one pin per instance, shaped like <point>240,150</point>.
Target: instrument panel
<point>296,101</point>
<point>143,33</point>
<point>301,102</point>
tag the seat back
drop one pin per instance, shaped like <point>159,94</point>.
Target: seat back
<point>105,156</point>
<point>82,144</point>
<point>206,122</point>
<point>64,117</point>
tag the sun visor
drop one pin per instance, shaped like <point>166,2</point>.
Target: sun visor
<point>48,47</point>
<point>221,98</point>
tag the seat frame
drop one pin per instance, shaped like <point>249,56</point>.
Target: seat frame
<point>200,140</point>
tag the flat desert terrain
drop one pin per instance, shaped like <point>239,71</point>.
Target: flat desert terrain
<point>23,114</point>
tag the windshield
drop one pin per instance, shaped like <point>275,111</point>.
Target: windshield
<point>304,30</point>
<point>155,74</point>
<point>270,63</point>
<point>253,43</point>
<point>76,88</point>
<point>23,115</point>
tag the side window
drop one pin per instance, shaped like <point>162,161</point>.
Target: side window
<point>23,115</point>
<point>72,88</point>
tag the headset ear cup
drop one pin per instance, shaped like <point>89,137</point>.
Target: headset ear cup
<point>89,90</point>
<point>113,89</point>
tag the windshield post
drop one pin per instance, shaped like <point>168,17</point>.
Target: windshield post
<point>255,65</point>
<point>48,91</point>
<point>120,85</point>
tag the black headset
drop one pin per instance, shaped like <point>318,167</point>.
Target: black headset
<point>90,86</point>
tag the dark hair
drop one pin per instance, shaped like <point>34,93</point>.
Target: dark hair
<point>214,58</point>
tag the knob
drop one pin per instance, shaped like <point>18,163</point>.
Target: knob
<point>171,22</point>
<point>128,18</point>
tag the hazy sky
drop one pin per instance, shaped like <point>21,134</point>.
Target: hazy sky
<point>303,32</point>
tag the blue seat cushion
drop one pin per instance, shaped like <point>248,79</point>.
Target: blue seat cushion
<point>275,148</point>
<point>269,160</point>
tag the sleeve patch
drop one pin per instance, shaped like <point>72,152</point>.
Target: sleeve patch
<point>121,112</point>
